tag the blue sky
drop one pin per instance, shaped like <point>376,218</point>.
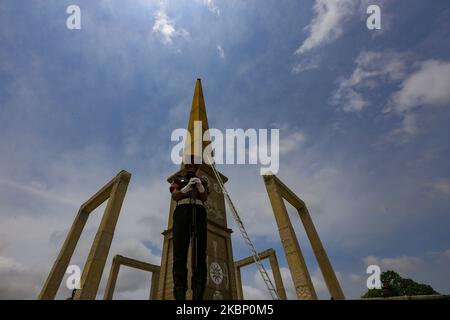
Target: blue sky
<point>363,118</point>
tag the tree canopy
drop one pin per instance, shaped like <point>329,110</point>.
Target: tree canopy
<point>394,285</point>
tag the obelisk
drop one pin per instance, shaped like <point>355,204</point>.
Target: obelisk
<point>221,274</point>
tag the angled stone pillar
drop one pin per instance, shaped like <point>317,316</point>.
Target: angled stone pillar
<point>154,286</point>
<point>267,254</point>
<point>59,268</point>
<point>132,263</point>
<point>115,191</point>
<point>322,258</point>
<point>240,293</point>
<point>277,192</point>
<point>299,271</point>
<point>112,279</point>
<point>277,275</point>
<point>93,270</point>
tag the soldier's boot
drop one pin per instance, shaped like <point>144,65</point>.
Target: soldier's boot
<point>197,292</point>
<point>179,293</point>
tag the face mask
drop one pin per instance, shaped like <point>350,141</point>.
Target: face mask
<point>190,175</point>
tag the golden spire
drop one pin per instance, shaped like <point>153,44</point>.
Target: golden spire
<point>198,124</point>
<point>198,115</point>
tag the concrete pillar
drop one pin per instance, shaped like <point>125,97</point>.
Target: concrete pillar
<point>299,272</point>
<point>112,279</point>
<point>240,294</point>
<point>322,259</point>
<point>154,286</point>
<point>59,268</point>
<point>96,261</point>
<point>277,276</point>
<point>132,263</point>
<point>267,254</point>
<point>115,191</point>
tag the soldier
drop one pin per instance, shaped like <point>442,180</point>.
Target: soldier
<point>184,190</point>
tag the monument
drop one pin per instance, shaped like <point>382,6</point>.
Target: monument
<point>223,273</point>
<point>221,283</point>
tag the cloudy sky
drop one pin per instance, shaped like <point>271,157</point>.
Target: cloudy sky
<point>363,118</point>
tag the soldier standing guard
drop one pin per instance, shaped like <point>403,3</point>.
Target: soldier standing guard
<point>187,189</point>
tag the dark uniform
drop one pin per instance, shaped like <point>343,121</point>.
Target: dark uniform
<point>182,230</point>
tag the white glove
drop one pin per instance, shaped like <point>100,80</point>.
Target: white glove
<point>188,187</point>
<point>199,184</point>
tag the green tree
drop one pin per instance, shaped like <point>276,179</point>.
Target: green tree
<point>395,285</point>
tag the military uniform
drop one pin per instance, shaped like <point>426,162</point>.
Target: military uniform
<point>182,230</point>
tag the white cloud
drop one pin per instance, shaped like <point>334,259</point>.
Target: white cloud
<point>291,141</point>
<point>428,86</point>
<point>442,186</point>
<point>221,51</point>
<point>166,28</point>
<point>407,129</point>
<point>354,100</point>
<point>402,264</point>
<point>319,284</point>
<point>8,264</point>
<point>371,67</point>
<point>211,6</point>
<point>252,293</point>
<point>288,283</point>
<point>18,281</point>
<point>327,25</point>
<point>307,63</point>
<point>302,67</point>
<point>422,84</point>
<point>37,190</point>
